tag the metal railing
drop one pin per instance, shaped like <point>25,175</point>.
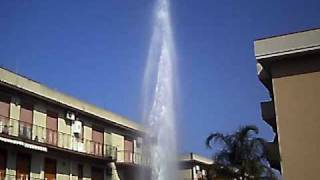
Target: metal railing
<point>49,137</point>
<point>127,156</point>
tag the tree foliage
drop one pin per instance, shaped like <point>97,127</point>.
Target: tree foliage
<point>243,155</point>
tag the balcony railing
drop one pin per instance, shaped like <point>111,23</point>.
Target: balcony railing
<point>126,156</point>
<point>49,137</point>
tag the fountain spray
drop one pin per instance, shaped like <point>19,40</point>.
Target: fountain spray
<point>159,83</point>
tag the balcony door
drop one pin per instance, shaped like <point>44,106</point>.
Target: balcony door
<point>23,167</point>
<point>25,123</point>
<point>97,142</point>
<point>4,113</point>
<point>50,169</point>
<point>52,128</point>
<point>3,163</point>
<point>128,150</point>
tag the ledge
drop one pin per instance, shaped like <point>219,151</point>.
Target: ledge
<point>191,157</point>
<point>286,45</point>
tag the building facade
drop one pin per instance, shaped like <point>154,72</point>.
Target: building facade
<point>289,67</point>
<point>48,135</point>
<point>194,167</point>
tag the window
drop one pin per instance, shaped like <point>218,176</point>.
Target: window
<point>128,150</point>
<point>26,119</point>
<point>26,113</point>
<point>4,106</point>
<point>52,128</point>
<point>97,142</point>
<point>4,113</point>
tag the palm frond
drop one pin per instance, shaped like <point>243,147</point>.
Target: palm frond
<point>245,130</point>
<point>259,146</point>
<point>222,157</point>
<point>242,154</point>
<point>215,137</point>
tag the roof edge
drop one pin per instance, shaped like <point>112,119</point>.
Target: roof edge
<point>197,158</point>
<point>287,45</point>
<point>22,83</point>
<point>288,33</point>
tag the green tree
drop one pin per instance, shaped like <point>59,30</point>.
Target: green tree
<point>243,155</point>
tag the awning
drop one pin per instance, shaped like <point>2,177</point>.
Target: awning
<point>24,144</point>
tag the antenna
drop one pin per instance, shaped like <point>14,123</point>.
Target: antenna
<point>16,66</point>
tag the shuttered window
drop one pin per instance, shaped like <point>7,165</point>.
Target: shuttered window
<point>4,106</point>
<point>4,113</point>
<point>52,120</point>
<point>97,136</point>
<point>128,150</point>
<point>25,123</point>
<point>97,142</point>
<point>26,113</point>
<point>52,128</point>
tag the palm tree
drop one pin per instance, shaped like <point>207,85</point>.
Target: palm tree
<point>243,155</point>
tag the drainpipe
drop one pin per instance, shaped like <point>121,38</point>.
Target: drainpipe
<point>192,174</point>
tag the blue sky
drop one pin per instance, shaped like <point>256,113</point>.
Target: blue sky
<point>96,51</point>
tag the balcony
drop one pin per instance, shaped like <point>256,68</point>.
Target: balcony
<point>268,114</point>
<point>39,135</point>
<point>133,158</point>
<point>129,164</point>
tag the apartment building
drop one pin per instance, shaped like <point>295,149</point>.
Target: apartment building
<point>289,68</point>
<point>45,134</point>
<point>194,167</point>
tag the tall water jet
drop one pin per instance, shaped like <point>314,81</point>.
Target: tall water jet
<point>159,83</point>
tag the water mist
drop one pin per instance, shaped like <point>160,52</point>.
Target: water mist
<point>159,83</point>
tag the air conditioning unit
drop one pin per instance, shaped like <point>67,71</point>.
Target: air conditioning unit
<point>71,116</point>
<point>77,127</point>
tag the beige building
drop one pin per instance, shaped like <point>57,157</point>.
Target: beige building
<point>289,67</point>
<point>45,134</point>
<point>194,167</point>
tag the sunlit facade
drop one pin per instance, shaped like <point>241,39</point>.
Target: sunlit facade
<point>289,67</point>
<point>48,135</point>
